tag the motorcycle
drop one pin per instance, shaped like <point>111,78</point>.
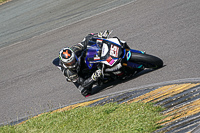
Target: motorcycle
<point>117,59</point>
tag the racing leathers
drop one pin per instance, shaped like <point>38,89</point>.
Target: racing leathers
<point>81,74</point>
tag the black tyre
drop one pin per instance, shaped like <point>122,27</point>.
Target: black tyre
<point>148,61</point>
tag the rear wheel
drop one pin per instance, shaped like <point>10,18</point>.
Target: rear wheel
<point>148,61</point>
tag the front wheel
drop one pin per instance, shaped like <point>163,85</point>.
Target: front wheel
<point>148,61</point>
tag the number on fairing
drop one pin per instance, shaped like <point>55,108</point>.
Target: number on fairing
<point>114,50</point>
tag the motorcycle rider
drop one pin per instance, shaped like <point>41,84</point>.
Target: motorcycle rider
<point>73,65</point>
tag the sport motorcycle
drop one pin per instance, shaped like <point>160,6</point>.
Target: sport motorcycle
<point>117,60</point>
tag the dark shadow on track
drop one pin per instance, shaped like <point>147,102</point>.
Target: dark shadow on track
<point>112,84</point>
<point>56,61</point>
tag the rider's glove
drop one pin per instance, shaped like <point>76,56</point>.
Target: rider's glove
<point>96,75</point>
<point>68,80</point>
<point>104,34</point>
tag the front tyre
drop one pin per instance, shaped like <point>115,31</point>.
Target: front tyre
<point>148,61</point>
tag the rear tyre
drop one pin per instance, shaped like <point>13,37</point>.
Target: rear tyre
<point>148,61</point>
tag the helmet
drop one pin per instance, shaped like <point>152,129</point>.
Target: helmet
<point>68,57</point>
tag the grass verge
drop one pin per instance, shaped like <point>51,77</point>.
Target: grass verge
<point>1,1</point>
<point>134,117</point>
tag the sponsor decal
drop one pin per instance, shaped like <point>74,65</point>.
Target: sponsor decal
<point>99,41</point>
<point>114,50</point>
<point>96,58</point>
<point>128,55</point>
<point>110,60</point>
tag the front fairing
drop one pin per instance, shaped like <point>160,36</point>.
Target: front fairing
<point>103,51</point>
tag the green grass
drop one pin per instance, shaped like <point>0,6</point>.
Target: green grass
<point>1,1</point>
<point>116,118</point>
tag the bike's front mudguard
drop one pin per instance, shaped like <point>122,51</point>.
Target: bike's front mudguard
<point>129,62</point>
<point>144,60</point>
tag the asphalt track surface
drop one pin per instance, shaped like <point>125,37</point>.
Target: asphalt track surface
<point>32,35</point>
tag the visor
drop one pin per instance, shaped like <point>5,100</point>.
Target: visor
<point>72,64</point>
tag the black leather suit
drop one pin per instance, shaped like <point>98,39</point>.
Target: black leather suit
<point>79,74</point>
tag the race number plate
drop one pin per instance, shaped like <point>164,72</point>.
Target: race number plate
<point>114,50</point>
